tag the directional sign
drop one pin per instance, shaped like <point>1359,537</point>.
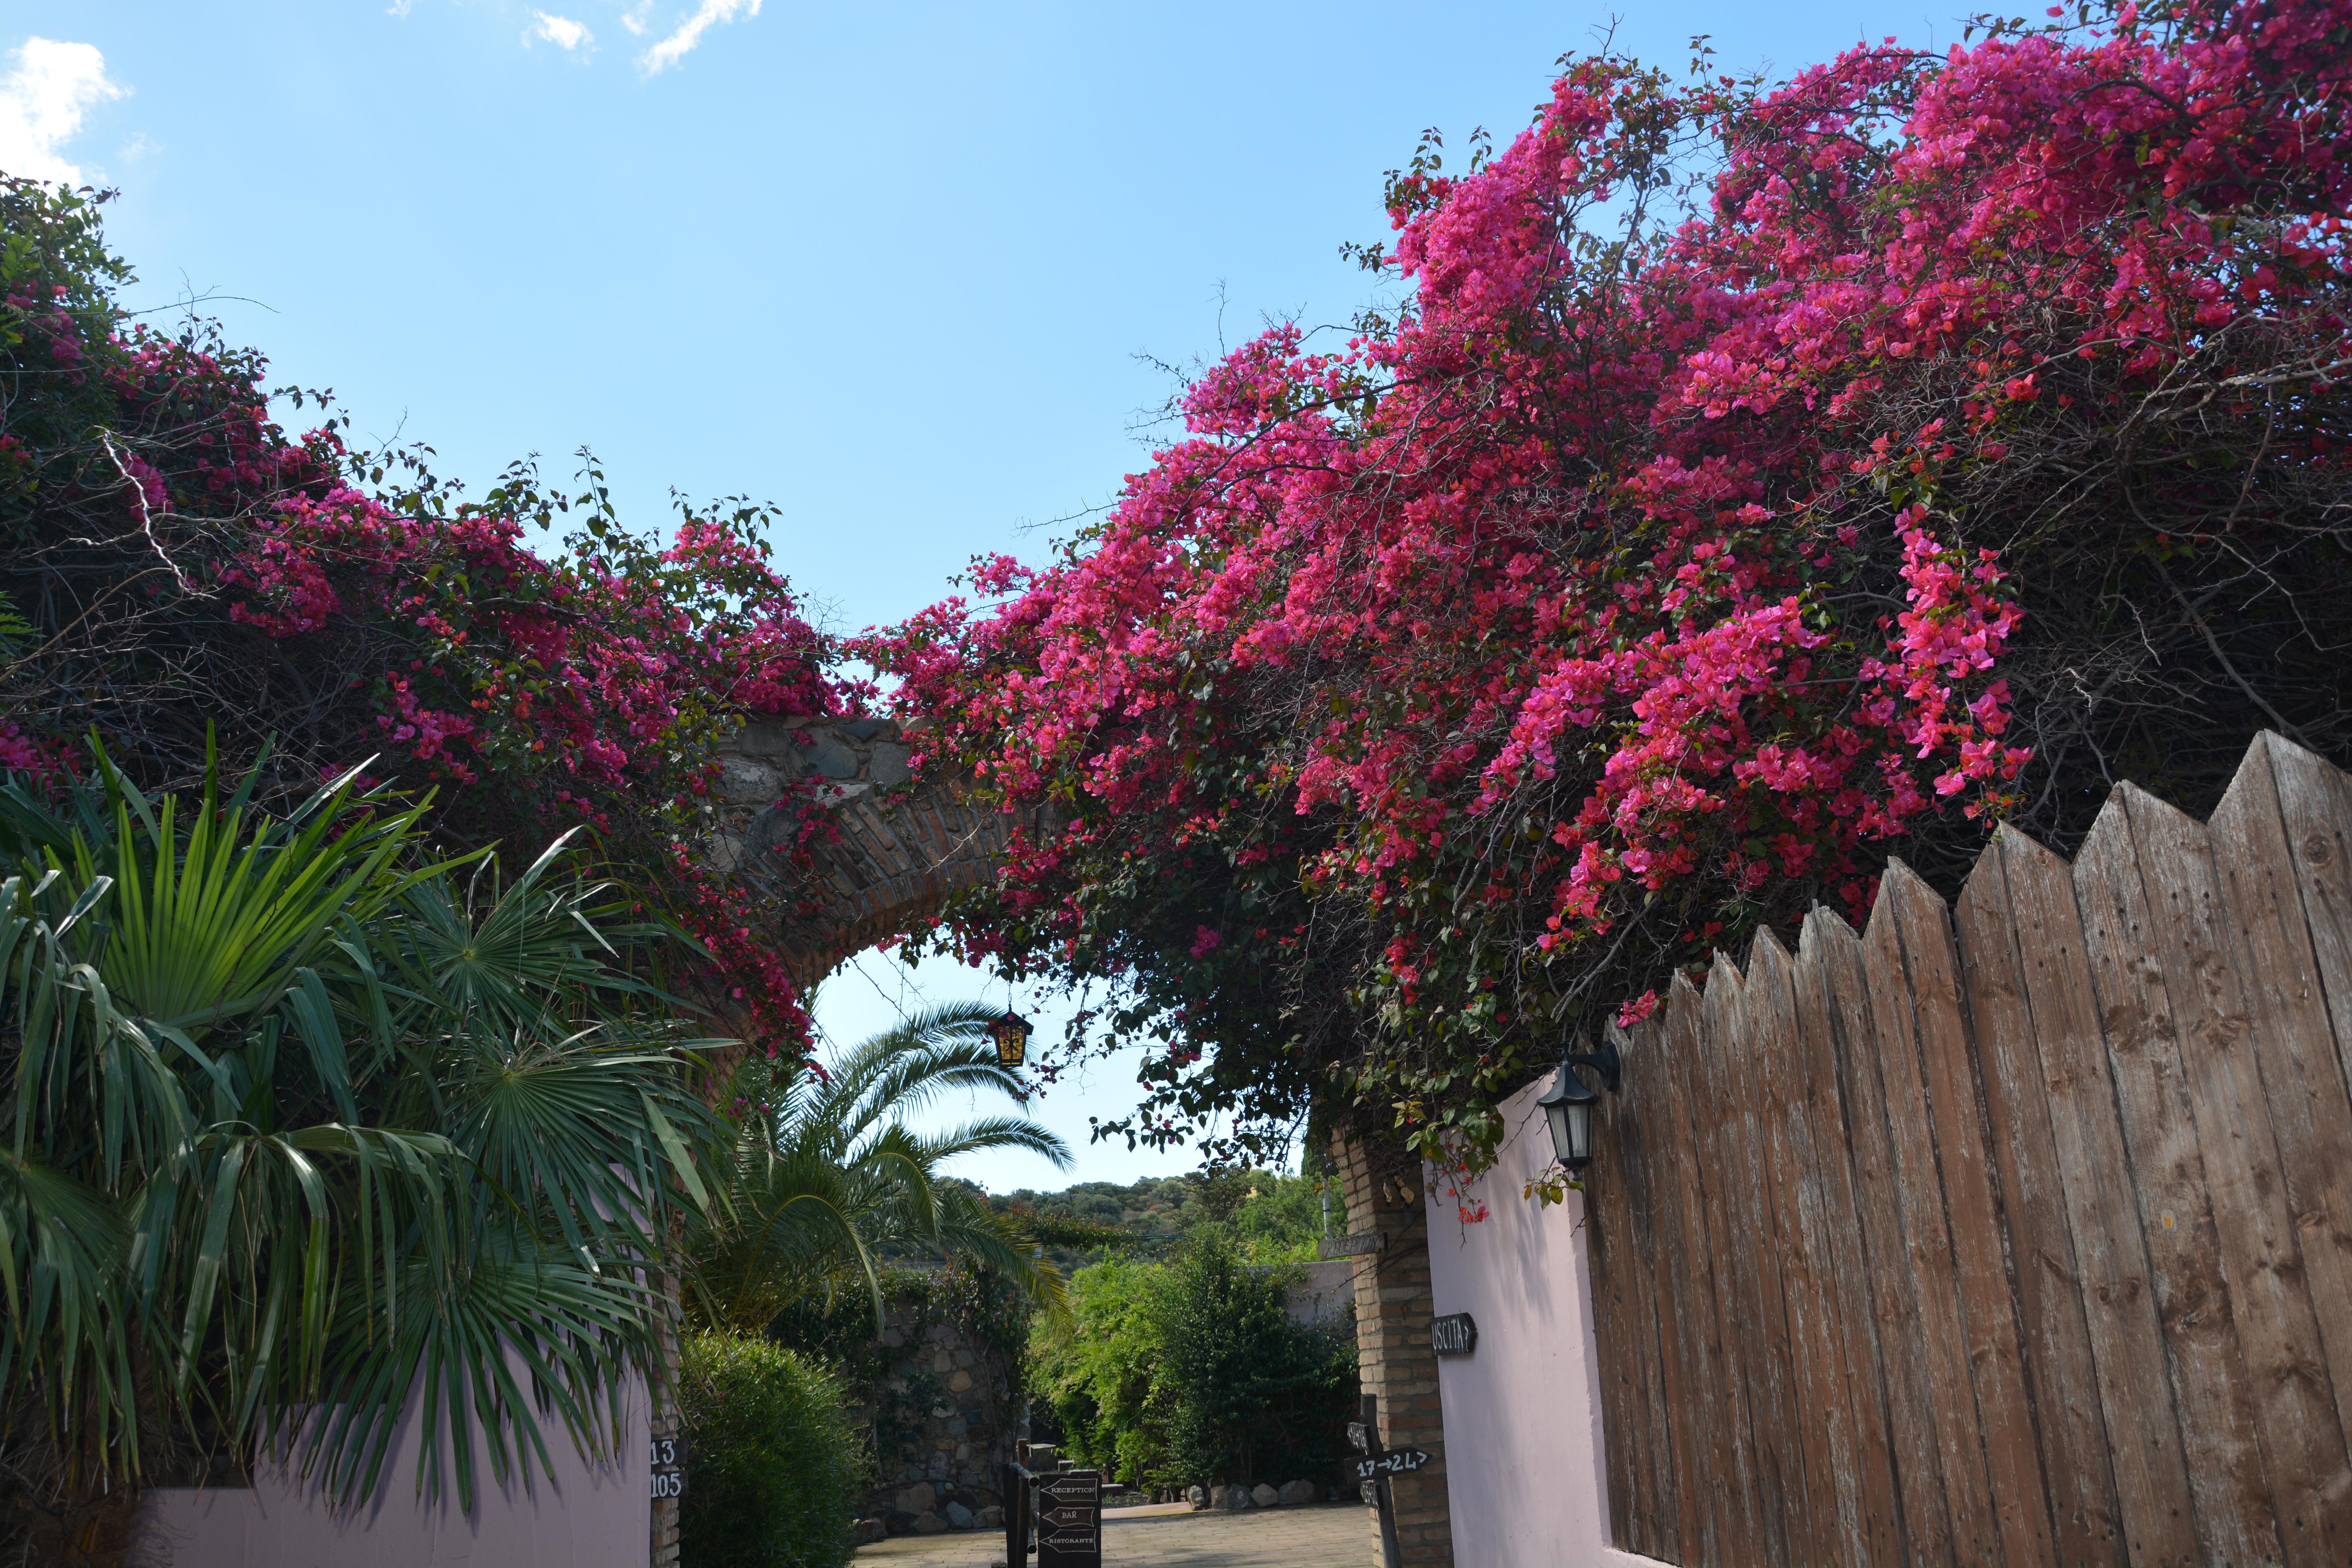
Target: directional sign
<point>1358,1438</point>
<point>1452,1334</point>
<point>1395,1462</point>
<point>1361,1246</point>
<point>1069,1519</point>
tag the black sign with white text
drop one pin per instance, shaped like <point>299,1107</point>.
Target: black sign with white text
<point>1452,1334</point>
<point>1395,1462</point>
<point>1069,1519</point>
<point>669,1467</point>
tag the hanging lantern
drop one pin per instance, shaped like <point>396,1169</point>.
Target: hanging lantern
<point>1569,1105</point>
<point>1011,1034</point>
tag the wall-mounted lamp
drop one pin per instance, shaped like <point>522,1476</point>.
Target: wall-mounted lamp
<point>1011,1034</point>
<point>1569,1103</point>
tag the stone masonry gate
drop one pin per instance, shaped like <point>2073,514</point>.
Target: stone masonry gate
<point>902,850</point>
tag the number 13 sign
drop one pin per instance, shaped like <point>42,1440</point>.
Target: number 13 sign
<point>669,1467</point>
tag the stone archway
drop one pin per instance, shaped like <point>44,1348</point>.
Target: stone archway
<point>900,854</point>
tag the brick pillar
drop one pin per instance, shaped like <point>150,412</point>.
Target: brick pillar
<point>664,1423</point>
<point>1393,1306</point>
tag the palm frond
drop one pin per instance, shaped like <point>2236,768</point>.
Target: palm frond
<point>826,1177</point>
<point>304,1120</point>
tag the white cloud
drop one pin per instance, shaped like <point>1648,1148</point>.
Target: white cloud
<point>397,8</point>
<point>562,31</point>
<point>42,101</point>
<point>675,48</point>
<point>633,19</point>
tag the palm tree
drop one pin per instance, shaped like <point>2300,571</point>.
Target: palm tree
<point>301,1120</point>
<point>825,1178</point>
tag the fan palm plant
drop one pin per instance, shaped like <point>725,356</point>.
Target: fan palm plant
<point>826,1177</point>
<point>300,1120</point>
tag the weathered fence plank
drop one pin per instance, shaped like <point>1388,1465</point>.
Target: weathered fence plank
<point>2316,809</point>
<point>1792,1184</point>
<point>1624,1303</point>
<point>1759,1320</point>
<point>2021,1503</point>
<point>1726,1526</point>
<point>2069,1433</point>
<point>2257,854</point>
<point>1941,1328</point>
<point>1757,1505</point>
<point>2134,1380</point>
<point>1686,1526</point>
<point>1847,1282</point>
<point>1643,1043</point>
<point>1910,1398</point>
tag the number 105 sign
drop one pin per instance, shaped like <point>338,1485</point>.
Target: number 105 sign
<point>669,1467</point>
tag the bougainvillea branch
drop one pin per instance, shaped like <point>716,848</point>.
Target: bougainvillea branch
<point>1759,479</point>
<point>180,568</point>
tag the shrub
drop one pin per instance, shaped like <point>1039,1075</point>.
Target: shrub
<point>1100,1377</point>
<point>1193,1371</point>
<point>1258,1398</point>
<point>772,1459</point>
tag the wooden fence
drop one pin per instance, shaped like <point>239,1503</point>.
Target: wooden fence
<point>2017,1232</point>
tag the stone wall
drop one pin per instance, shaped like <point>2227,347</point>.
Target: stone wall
<point>944,1420</point>
<point>1395,1363</point>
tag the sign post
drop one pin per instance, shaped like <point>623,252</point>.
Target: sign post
<point>1372,1473</point>
<point>1015,1490</point>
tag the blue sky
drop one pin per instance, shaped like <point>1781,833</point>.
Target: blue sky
<point>898,268</point>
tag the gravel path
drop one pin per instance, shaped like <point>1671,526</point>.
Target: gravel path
<point>1172,1535</point>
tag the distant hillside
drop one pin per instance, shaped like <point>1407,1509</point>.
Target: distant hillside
<point>1274,1217</point>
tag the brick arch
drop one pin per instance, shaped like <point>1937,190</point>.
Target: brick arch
<point>901,851</point>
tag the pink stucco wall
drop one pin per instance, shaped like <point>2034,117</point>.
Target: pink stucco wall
<point>588,1516</point>
<point>1525,1480</point>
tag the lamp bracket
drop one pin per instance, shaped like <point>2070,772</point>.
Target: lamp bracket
<point>1604,1061</point>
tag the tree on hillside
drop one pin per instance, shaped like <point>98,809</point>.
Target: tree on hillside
<point>1760,479</point>
<point>1273,1216</point>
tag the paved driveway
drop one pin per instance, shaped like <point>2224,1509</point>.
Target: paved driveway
<point>1172,1535</point>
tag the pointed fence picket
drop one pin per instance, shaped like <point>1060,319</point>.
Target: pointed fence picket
<point>2013,1232</point>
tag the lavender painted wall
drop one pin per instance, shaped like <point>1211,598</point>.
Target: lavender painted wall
<point>1524,1462</point>
<point>588,1516</point>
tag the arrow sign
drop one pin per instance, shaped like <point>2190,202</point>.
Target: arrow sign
<point>1069,1519</point>
<point>1397,1462</point>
